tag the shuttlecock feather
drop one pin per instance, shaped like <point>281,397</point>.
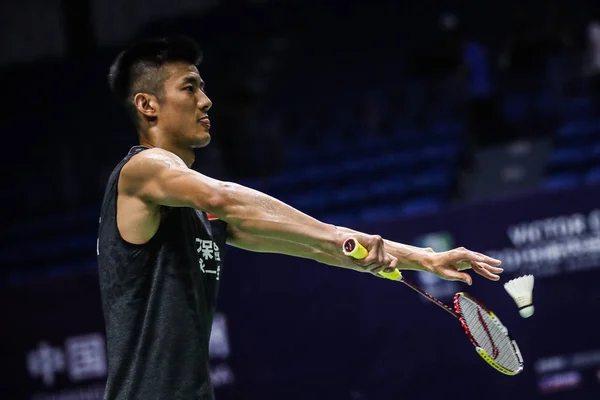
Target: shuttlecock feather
<point>521,290</point>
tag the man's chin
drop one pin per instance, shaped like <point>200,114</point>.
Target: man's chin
<point>202,142</point>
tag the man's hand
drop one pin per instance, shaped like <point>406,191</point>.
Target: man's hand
<point>378,258</point>
<point>449,265</point>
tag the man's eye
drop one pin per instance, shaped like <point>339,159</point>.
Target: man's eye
<point>189,88</point>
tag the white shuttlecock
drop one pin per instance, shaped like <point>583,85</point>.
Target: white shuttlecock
<point>521,290</point>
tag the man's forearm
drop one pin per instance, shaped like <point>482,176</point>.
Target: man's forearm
<point>259,244</point>
<point>258,214</point>
<point>406,254</point>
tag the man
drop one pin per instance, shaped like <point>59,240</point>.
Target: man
<point>164,228</point>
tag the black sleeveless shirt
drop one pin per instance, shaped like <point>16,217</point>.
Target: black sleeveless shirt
<point>158,301</point>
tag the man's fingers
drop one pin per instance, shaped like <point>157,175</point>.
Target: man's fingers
<point>376,262</point>
<point>454,275</point>
<point>366,264</point>
<point>392,263</point>
<point>463,254</point>
<point>488,260</point>
<point>485,272</point>
<point>494,270</point>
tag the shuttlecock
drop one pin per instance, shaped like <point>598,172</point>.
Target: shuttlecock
<point>521,290</point>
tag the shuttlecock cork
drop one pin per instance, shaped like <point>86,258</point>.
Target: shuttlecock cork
<point>521,290</point>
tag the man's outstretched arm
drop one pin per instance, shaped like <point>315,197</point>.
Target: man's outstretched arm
<point>446,265</point>
<point>160,178</point>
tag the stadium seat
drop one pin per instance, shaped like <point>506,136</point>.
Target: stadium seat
<point>381,212</point>
<point>573,132</point>
<point>578,107</point>
<point>422,205</point>
<point>567,159</point>
<point>561,181</point>
<point>592,177</point>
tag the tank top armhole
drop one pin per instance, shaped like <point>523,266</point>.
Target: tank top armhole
<point>142,246</point>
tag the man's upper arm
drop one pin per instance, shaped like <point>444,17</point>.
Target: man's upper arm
<point>156,176</point>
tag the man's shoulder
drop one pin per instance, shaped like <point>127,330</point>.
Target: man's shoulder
<point>149,162</point>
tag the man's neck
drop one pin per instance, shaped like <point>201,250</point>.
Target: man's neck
<point>186,154</point>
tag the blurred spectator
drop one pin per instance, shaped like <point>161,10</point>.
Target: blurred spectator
<point>562,63</point>
<point>436,67</point>
<point>476,72</point>
<point>523,52</point>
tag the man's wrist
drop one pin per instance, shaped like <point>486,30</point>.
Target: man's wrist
<point>335,239</point>
<point>420,258</point>
<point>409,257</point>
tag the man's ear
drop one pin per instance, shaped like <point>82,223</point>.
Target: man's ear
<point>146,104</point>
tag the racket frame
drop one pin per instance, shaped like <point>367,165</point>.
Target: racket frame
<point>456,313</point>
<point>489,359</point>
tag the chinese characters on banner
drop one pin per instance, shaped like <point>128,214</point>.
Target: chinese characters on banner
<point>81,357</point>
<point>82,361</point>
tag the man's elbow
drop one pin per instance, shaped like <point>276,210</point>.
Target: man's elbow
<point>218,200</point>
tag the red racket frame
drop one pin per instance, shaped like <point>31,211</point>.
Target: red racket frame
<point>456,313</point>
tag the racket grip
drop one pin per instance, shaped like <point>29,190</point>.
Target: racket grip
<point>352,248</point>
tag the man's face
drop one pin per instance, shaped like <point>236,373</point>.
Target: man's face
<point>184,106</point>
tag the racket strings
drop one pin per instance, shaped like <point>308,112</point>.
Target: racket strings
<point>489,333</point>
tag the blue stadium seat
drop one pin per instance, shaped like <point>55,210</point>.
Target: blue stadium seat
<point>595,128</point>
<point>592,177</point>
<point>440,154</point>
<point>313,202</point>
<point>546,103</point>
<point>578,107</point>
<point>569,158</point>
<point>514,107</point>
<point>50,221</point>
<point>49,248</point>
<point>351,196</point>
<point>390,189</point>
<point>359,166</point>
<point>422,205</point>
<point>576,131</point>
<point>448,129</point>
<point>595,152</point>
<point>561,181</point>
<point>347,219</point>
<point>382,212</point>
<point>397,160</point>
<point>436,180</point>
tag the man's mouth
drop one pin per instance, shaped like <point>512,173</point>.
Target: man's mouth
<point>204,121</point>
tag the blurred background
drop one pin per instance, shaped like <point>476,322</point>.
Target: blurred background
<point>441,124</point>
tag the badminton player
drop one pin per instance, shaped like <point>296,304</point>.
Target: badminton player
<point>164,228</point>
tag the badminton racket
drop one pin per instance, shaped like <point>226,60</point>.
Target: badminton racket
<point>483,328</point>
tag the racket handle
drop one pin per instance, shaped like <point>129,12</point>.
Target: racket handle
<point>354,249</point>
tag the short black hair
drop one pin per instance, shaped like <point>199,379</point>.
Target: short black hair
<point>139,68</point>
